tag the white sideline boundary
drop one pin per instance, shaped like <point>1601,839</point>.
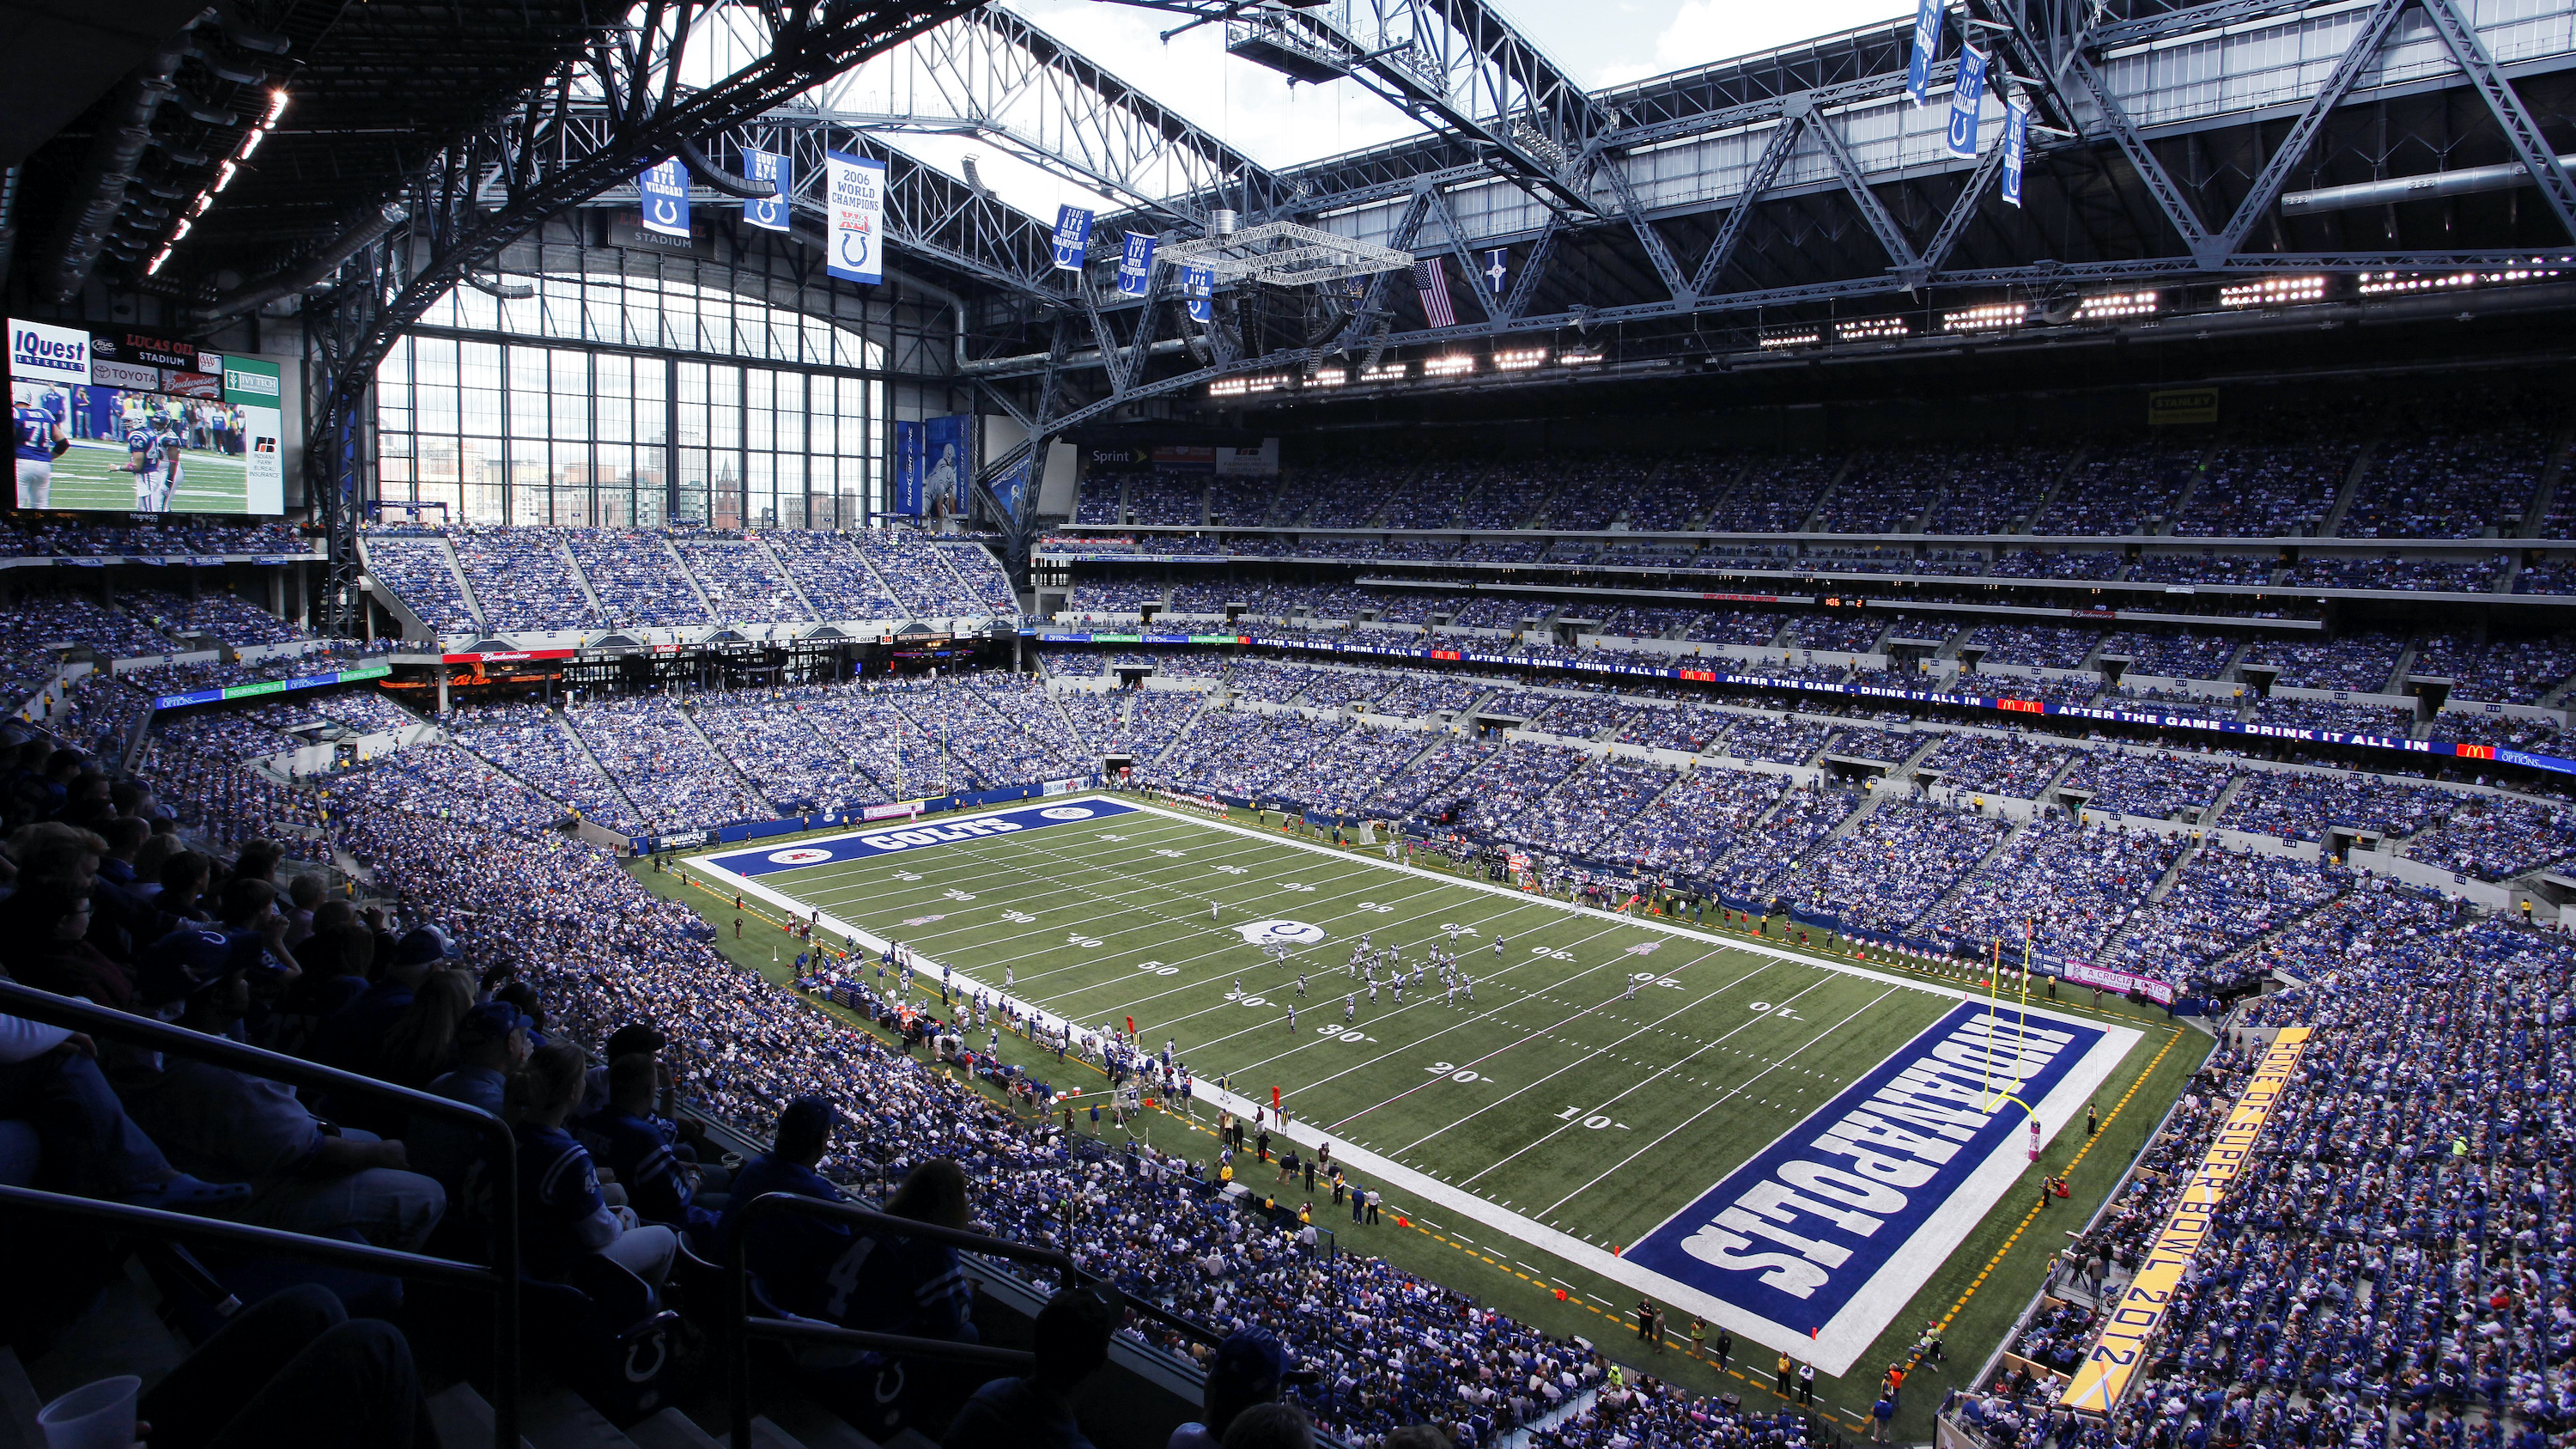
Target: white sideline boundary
<point>1836,1346</point>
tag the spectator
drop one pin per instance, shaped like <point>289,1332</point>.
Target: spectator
<point>562,1215</point>
<point>1072,1343</point>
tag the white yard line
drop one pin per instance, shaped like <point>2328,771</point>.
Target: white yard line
<point>1832,1349</point>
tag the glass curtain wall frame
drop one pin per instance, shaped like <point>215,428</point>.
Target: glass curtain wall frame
<point>541,411</point>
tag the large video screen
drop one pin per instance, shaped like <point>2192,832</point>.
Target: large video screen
<point>126,423</point>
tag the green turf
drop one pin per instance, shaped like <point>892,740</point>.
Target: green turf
<point>209,482</point>
<point>1690,1072</point>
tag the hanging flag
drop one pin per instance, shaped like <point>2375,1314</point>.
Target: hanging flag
<point>1072,237</point>
<point>1497,269</point>
<point>1199,285</point>
<point>769,213</point>
<point>2016,146</point>
<point>1927,44</point>
<point>1136,265</point>
<point>1966,102</point>
<point>666,198</point>
<point>1432,280</point>
<point>855,187</point>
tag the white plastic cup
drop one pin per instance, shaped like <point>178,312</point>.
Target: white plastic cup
<point>94,1416</point>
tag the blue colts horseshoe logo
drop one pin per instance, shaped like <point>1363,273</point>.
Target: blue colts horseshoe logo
<point>854,250</point>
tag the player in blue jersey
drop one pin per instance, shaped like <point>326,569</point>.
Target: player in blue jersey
<point>143,460</point>
<point>174,441</point>
<point>38,438</point>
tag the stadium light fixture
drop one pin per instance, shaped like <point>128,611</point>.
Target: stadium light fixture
<point>1586,357</point>
<point>1520,359</point>
<point>1872,329</point>
<point>1449,364</point>
<point>1387,372</point>
<point>1991,317</point>
<point>2111,305</point>
<point>2385,284</point>
<point>2273,292</point>
<point>1329,377</point>
<point>1225,387</point>
<point>1776,337</point>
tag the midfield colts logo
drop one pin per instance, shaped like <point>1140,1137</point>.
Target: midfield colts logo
<point>1280,933</point>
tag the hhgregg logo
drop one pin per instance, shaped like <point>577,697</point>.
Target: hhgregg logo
<point>1280,933</point>
<point>1066,812</point>
<point>801,855</point>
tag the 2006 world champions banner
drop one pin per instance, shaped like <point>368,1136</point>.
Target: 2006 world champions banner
<point>854,215</point>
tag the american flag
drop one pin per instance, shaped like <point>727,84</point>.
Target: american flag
<point>1432,281</point>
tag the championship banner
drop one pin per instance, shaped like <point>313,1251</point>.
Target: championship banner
<point>665,190</point>
<point>768,213</point>
<point>2128,1335</point>
<point>1965,102</point>
<point>1927,40</point>
<point>854,217</point>
<point>1136,265</point>
<point>1072,237</point>
<point>2016,147</point>
<point>1199,285</point>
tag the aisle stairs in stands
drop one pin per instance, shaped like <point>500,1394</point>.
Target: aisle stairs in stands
<point>1940,908</point>
<point>1825,495</point>
<point>784,572</point>
<point>2227,794</point>
<point>572,565</point>
<point>456,568</point>
<point>2163,887</point>
<point>2353,478</point>
<point>688,722</point>
<point>1743,469</point>
<point>2552,478</point>
<point>2028,522</point>
<point>680,570</point>
<point>563,722</point>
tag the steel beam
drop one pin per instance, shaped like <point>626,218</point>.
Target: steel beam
<point>1900,251</point>
<point>1660,255</point>
<point>2177,208</point>
<point>2521,130</point>
<point>2303,132</point>
<point>1766,169</point>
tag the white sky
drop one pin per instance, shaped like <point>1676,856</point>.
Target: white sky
<point>1600,42</point>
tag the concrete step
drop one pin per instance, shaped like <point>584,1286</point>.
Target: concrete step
<point>463,1418</point>
<point>671,1429</point>
<point>816,1427</point>
<point>558,1418</point>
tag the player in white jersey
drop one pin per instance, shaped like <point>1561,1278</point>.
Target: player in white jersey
<point>1350,1007</point>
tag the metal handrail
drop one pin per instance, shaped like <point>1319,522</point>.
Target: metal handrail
<point>160,1223</point>
<point>18,999</point>
<point>738,1278</point>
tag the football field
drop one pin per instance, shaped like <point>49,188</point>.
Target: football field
<point>209,482</point>
<point>1783,1143</point>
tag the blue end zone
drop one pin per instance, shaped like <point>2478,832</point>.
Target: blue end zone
<point>1794,1233</point>
<point>892,839</point>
